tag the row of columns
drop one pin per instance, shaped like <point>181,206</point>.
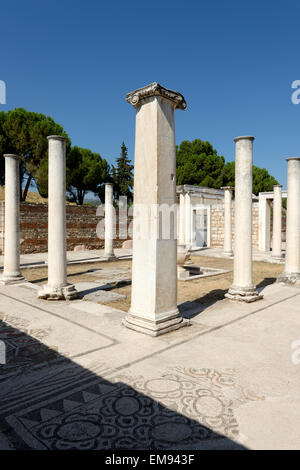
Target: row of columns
<point>154,265</point>
<point>57,287</point>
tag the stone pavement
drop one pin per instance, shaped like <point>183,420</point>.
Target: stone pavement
<point>75,378</point>
<point>38,260</point>
<point>257,255</point>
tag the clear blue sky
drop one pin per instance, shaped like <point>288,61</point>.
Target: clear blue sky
<point>234,61</point>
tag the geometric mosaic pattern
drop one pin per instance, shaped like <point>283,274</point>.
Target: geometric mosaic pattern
<point>69,407</point>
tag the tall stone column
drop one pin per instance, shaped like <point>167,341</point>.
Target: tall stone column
<point>11,271</point>
<point>291,272</point>
<point>264,222</point>
<point>154,265</point>
<point>188,219</point>
<point>277,222</point>
<point>181,218</point>
<point>227,220</point>
<point>57,287</point>
<point>109,223</point>
<point>242,288</point>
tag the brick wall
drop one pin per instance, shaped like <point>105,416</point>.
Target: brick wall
<point>81,227</point>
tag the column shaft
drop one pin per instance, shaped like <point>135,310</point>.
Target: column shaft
<point>57,287</point>
<point>227,221</point>
<point>277,222</point>
<point>11,272</point>
<point>154,265</point>
<point>291,272</point>
<point>188,220</point>
<point>109,223</point>
<point>181,219</point>
<point>242,287</point>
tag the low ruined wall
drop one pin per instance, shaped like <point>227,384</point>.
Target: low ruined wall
<point>81,227</point>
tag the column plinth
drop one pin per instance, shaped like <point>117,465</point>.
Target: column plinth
<point>242,288</point>
<point>57,287</point>
<point>227,250</point>
<point>11,272</point>
<point>291,273</point>
<point>109,254</point>
<point>153,308</point>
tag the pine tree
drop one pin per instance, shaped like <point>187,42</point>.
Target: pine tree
<point>122,175</point>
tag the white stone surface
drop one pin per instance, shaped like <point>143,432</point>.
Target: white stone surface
<point>57,287</point>
<point>228,220</point>
<point>109,222</point>
<point>277,222</point>
<point>242,288</point>
<point>11,272</point>
<point>154,267</point>
<point>264,219</point>
<point>291,272</point>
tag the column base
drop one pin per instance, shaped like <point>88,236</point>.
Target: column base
<point>243,294</point>
<point>172,321</point>
<point>289,278</point>
<point>11,278</point>
<point>277,257</point>
<point>228,253</point>
<point>67,292</point>
<point>111,257</point>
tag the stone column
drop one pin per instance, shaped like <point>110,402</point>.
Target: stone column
<point>291,272</point>
<point>242,287</point>
<point>264,221</point>
<point>277,222</point>
<point>109,223</point>
<point>188,220</point>
<point>181,218</point>
<point>227,220</point>
<point>11,271</point>
<point>57,287</point>
<point>154,265</point>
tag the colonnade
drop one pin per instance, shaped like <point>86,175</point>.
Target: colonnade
<point>154,265</point>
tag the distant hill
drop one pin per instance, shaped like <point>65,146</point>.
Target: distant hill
<point>31,197</point>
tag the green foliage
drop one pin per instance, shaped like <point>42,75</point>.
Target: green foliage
<point>198,164</point>
<point>25,133</point>
<point>122,175</point>
<point>86,171</point>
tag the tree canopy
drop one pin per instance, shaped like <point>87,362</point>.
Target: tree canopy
<point>199,164</point>
<point>25,133</point>
<point>86,171</point>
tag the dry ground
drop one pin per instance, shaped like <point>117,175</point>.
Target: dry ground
<point>205,290</point>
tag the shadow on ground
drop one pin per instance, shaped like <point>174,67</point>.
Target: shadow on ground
<point>47,401</point>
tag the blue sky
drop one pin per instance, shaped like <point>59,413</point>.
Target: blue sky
<point>233,61</point>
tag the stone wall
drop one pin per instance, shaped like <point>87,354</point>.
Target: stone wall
<point>81,227</point>
<point>217,225</point>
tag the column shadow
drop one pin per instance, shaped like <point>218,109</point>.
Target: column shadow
<point>50,402</point>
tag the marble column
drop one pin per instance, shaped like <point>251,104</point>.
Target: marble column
<point>227,220</point>
<point>11,271</point>
<point>109,223</point>
<point>242,288</point>
<point>277,222</point>
<point>188,220</point>
<point>264,222</point>
<point>154,265</point>
<point>291,272</point>
<point>57,287</point>
<point>181,219</point>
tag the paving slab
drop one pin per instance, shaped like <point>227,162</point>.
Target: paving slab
<point>76,378</point>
